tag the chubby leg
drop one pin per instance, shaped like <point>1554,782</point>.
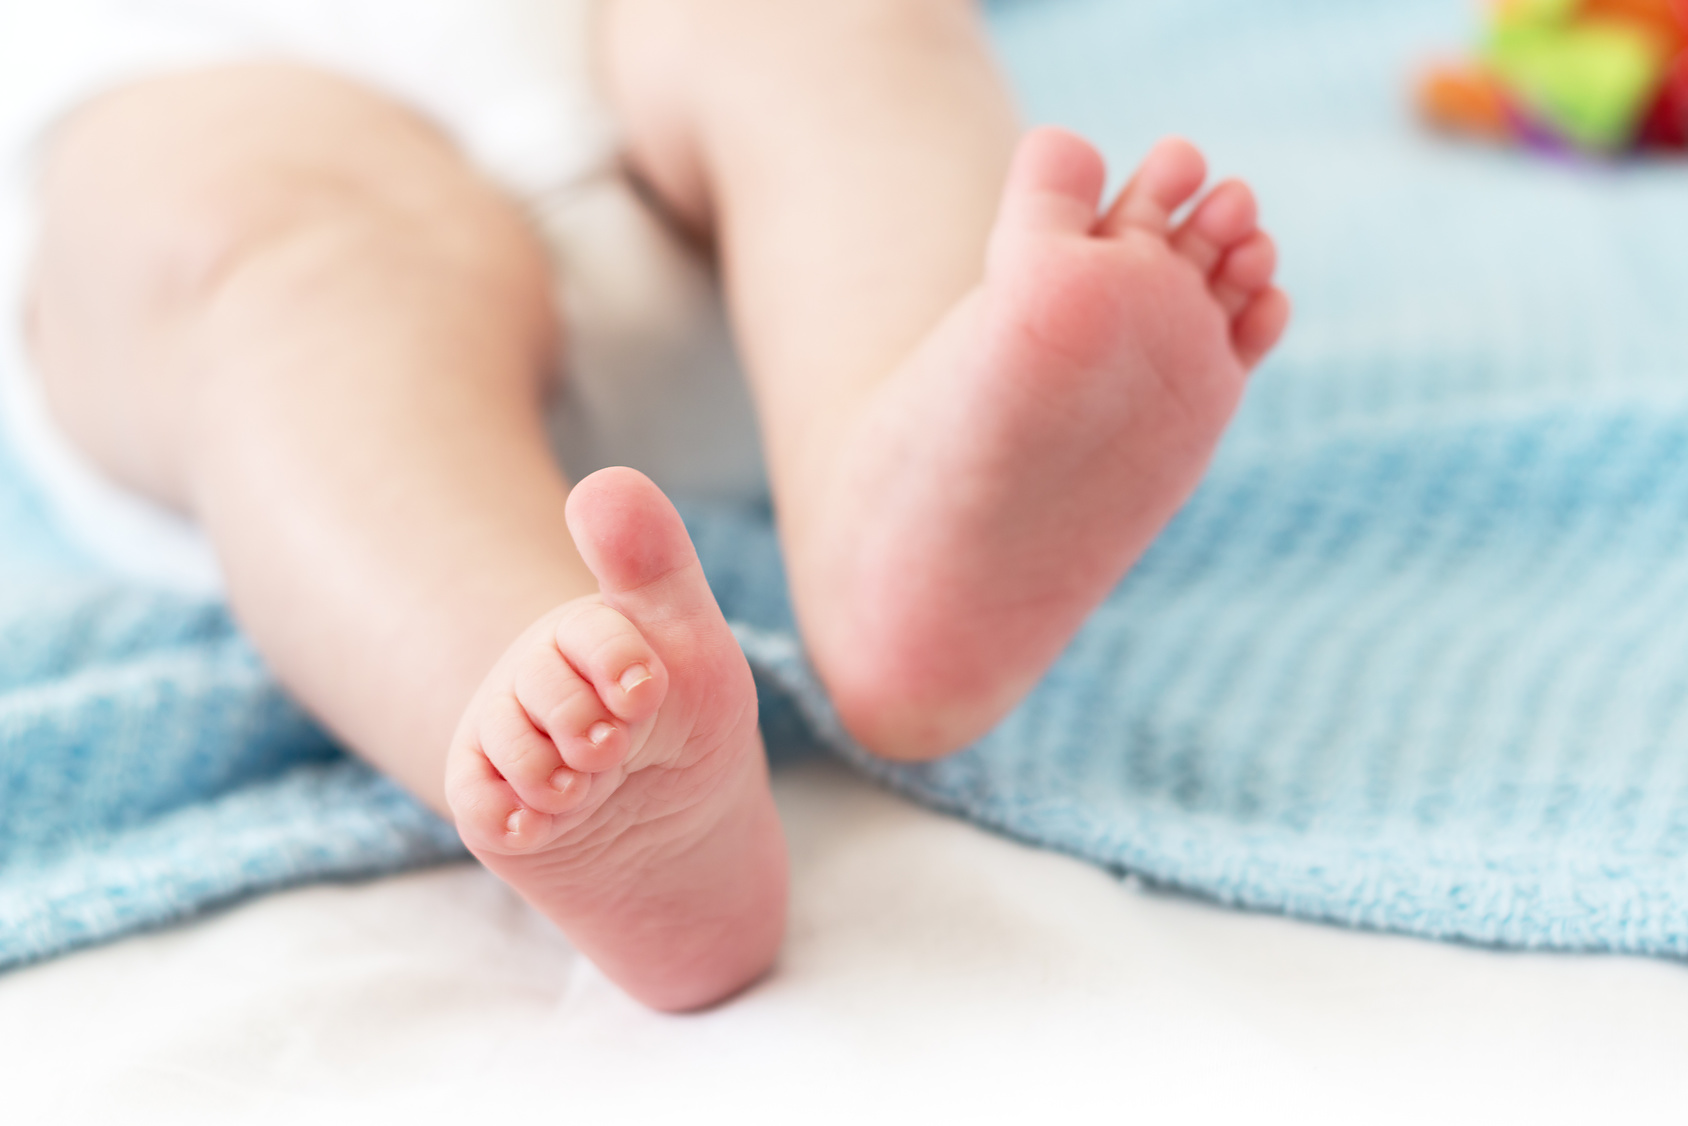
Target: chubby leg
<point>284,306</point>
<point>982,395</point>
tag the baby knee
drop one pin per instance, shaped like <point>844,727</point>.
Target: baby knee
<point>154,196</point>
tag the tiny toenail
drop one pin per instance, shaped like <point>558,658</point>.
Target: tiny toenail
<point>633,677</point>
<point>562,778</point>
<point>513,823</point>
<point>599,733</point>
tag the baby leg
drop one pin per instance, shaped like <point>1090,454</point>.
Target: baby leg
<point>288,308</point>
<point>980,403</point>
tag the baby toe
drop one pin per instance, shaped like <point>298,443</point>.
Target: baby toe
<point>489,815</point>
<point>1221,221</point>
<point>609,651</point>
<point>566,709</point>
<point>1245,271</point>
<point>1171,173</point>
<point>1256,329</point>
<point>527,758</point>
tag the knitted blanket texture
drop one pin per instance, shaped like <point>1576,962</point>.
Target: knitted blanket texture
<point>1415,657</point>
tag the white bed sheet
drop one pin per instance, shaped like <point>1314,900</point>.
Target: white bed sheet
<point>934,973</point>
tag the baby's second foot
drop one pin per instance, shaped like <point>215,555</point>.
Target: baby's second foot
<point>610,769</point>
<point>999,484</point>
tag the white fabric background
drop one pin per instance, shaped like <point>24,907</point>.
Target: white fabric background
<point>933,974</point>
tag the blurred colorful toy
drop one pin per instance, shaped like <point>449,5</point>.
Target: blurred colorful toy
<point>1591,76</point>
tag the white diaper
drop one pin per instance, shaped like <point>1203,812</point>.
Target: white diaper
<point>652,381</point>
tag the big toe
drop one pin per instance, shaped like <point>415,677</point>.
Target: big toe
<point>1055,184</point>
<point>634,542</point>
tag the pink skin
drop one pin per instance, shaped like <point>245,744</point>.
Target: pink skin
<point>1008,475</point>
<point>293,311</point>
<point>610,767</point>
<point>989,495</point>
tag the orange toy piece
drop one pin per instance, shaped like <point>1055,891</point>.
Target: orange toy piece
<point>1668,19</point>
<point>1466,99</point>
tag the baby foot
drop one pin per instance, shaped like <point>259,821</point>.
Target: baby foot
<point>610,769</point>
<point>1001,482</point>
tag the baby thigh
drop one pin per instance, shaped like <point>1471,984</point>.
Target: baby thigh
<point>287,307</point>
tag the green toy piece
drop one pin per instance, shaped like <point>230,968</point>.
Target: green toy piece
<point>1589,82</point>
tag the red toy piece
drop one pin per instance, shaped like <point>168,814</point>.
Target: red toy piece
<point>1666,124</point>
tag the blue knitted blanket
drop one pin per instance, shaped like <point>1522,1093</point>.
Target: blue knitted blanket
<point>1415,657</point>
